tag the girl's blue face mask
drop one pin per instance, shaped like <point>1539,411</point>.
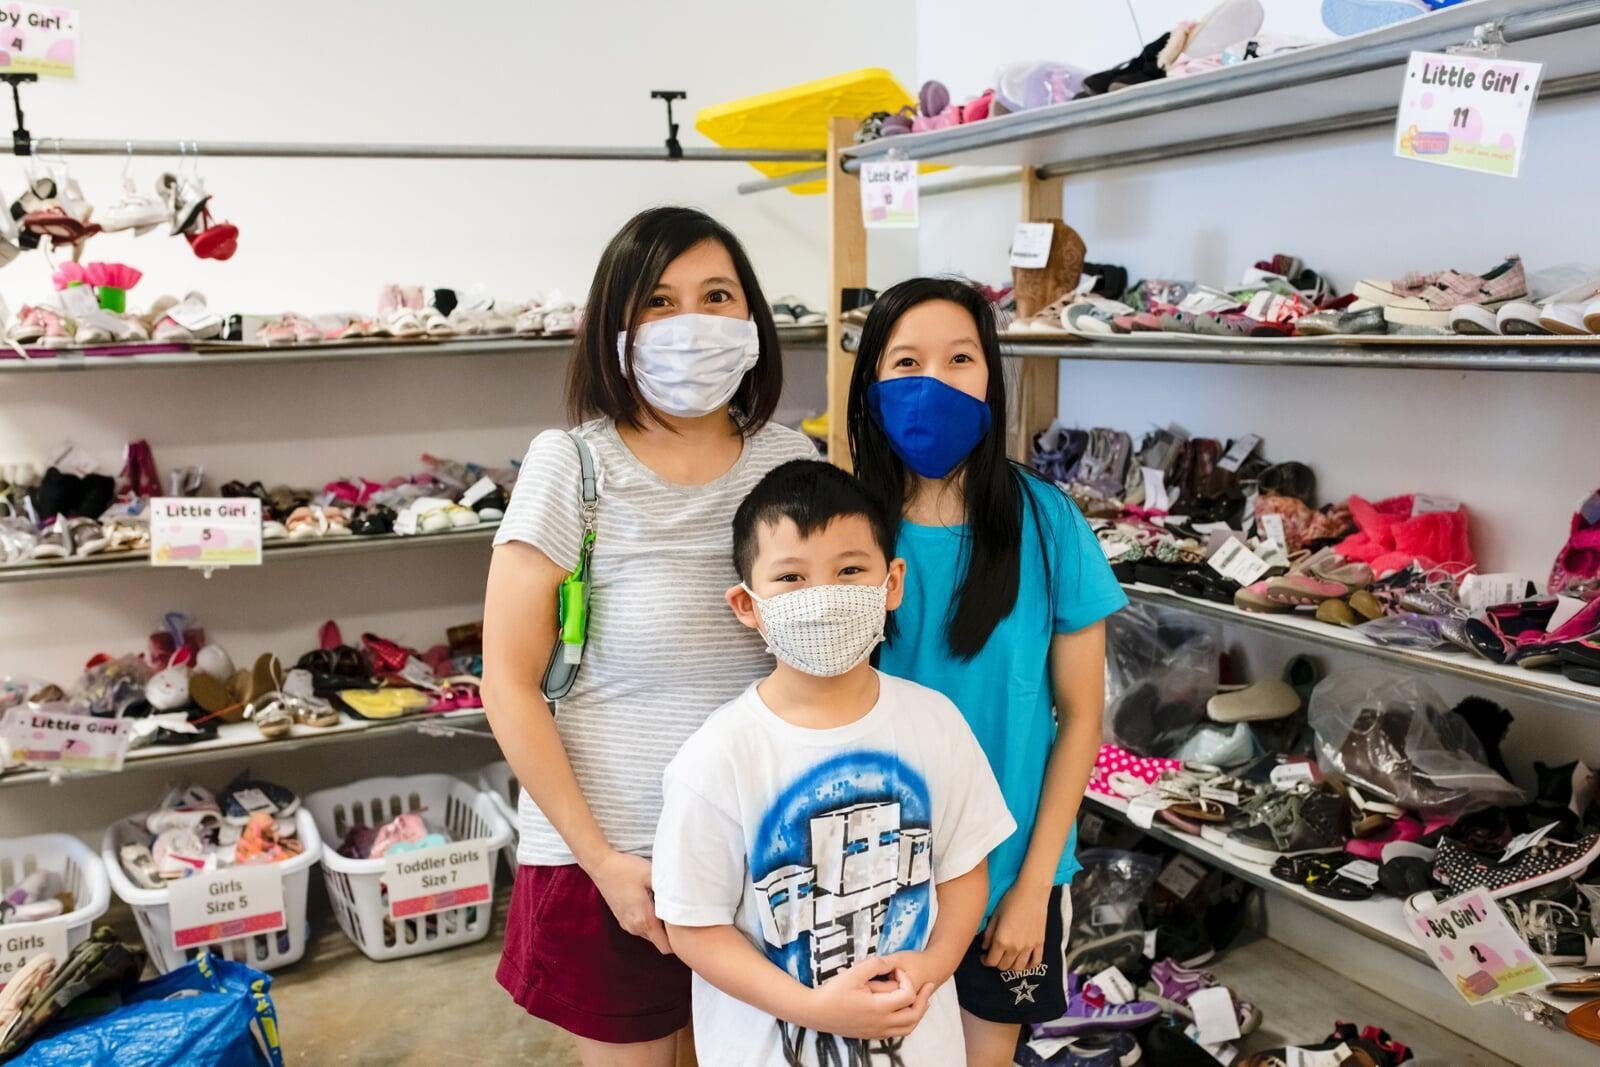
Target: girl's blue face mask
<point>930,425</point>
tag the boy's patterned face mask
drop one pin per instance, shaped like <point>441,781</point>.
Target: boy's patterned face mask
<point>824,630</point>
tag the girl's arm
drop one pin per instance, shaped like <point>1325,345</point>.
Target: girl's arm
<point>850,1004</point>
<point>1014,939</point>
<point>961,901</point>
<point>519,629</point>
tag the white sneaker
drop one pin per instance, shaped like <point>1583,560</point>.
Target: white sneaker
<point>136,211</point>
<point>1565,311</point>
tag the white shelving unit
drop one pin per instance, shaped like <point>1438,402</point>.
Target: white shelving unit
<point>1548,686</point>
<point>1343,85</point>
<point>1340,85</point>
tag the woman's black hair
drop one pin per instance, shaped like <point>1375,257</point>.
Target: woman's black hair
<point>993,493</point>
<point>629,270</point>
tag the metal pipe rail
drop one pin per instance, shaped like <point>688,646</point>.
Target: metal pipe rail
<point>1336,59</point>
<point>74,146</point>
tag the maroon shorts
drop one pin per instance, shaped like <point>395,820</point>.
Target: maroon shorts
<point>567,961</point>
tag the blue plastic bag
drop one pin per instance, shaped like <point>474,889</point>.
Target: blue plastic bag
<point>211,1012</point>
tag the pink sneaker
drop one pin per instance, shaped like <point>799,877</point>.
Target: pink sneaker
<point>403,828</point>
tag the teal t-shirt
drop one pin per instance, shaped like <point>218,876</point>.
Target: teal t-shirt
<point>1004,691</point>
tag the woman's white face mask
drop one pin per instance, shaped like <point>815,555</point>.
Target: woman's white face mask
<point>691,365</point>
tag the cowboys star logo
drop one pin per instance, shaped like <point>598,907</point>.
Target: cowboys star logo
<point>1024,991</point>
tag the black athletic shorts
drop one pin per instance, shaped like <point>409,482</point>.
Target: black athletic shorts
<point>1035,996</point>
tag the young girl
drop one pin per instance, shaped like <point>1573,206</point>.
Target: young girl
<point>677,370</point>
<point>1006,590</point>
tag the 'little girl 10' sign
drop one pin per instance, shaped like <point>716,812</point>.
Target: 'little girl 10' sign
<point>1466,111</point>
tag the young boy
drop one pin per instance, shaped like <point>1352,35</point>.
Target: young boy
<point>820,859</point>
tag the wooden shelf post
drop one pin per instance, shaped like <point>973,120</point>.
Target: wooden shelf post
<point>847,266</point>
<point>1036,397</point>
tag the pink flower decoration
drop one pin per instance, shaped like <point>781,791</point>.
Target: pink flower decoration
<point>68,273</point>
<point>116,275</point>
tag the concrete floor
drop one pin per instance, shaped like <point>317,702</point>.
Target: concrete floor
<point>338,1007</point>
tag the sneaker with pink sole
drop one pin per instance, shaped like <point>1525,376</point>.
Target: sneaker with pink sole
<point>1432,306</point>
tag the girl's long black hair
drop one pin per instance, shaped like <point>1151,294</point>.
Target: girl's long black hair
<point>993,492</point>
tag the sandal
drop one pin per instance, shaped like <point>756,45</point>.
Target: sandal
<point>271,717</point>
<point>1320,876</point>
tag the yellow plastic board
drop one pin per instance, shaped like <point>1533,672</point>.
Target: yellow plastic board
<point>797,117</point>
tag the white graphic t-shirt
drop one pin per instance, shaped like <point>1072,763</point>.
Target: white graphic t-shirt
<point>824,847</point>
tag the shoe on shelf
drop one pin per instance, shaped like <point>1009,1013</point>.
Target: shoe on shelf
<point>1347,321</point>
<point>1463,868</point>
<point>1568,311</point>
<point>42,327</point>
<point>288,329</point>
<point>1095,316</point>
<point>791,311</point>
<point>1306,820</point>
<point>189,320</point>
<point>1556,929</point>
<point>1433,305</point>
<point>1383,292</point>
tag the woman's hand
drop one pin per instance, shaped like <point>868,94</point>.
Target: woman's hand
<point>624,881</point>
<point>1014,938</point>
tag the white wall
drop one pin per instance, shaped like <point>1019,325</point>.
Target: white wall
<point>325,235</point>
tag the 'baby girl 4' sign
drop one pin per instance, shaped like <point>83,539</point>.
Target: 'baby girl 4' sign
<point>1466,111</point>
<point>1473,945</point>
<point>38,39</point>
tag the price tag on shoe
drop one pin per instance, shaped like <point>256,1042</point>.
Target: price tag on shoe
<point>53,737</point>
<point>1030,244</point>
<point>1292,773</point>
<point>79,301</point>
<point>1115,985</point>
<point>1180,876</point>
<point>205,532</point>
<point>1272,526</point>
<point>889,194</point>
<point>1142,810</point>
<point>1241,450</point>
<point>20,942</point>
<point>1295,1056</point>
<point>1214,1014</point>
<point>1234,560</point>
<point>433,879</point>
<point>1474,946</point>
<point>1363,871</point>
<point>225,904</point>
<point>1466,111</point>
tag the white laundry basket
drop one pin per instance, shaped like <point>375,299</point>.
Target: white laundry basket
<point>355,887</point>
<point>500,782</point>
<point>261,951</point>
<point>80,870</point>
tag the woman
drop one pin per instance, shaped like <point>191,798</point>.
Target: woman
<point>677,369</point>
<point>1006,590</point>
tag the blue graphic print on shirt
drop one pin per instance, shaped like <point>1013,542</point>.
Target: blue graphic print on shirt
<point>842,865</point>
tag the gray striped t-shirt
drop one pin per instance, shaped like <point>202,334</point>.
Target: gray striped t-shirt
<point>664,651</point>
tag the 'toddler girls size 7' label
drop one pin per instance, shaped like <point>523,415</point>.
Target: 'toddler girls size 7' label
<point>437,878</point>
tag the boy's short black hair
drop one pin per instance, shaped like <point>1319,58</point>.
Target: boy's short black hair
<point>811,494</point>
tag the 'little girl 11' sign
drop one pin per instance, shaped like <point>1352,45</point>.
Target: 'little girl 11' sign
<point>1466,111</point>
